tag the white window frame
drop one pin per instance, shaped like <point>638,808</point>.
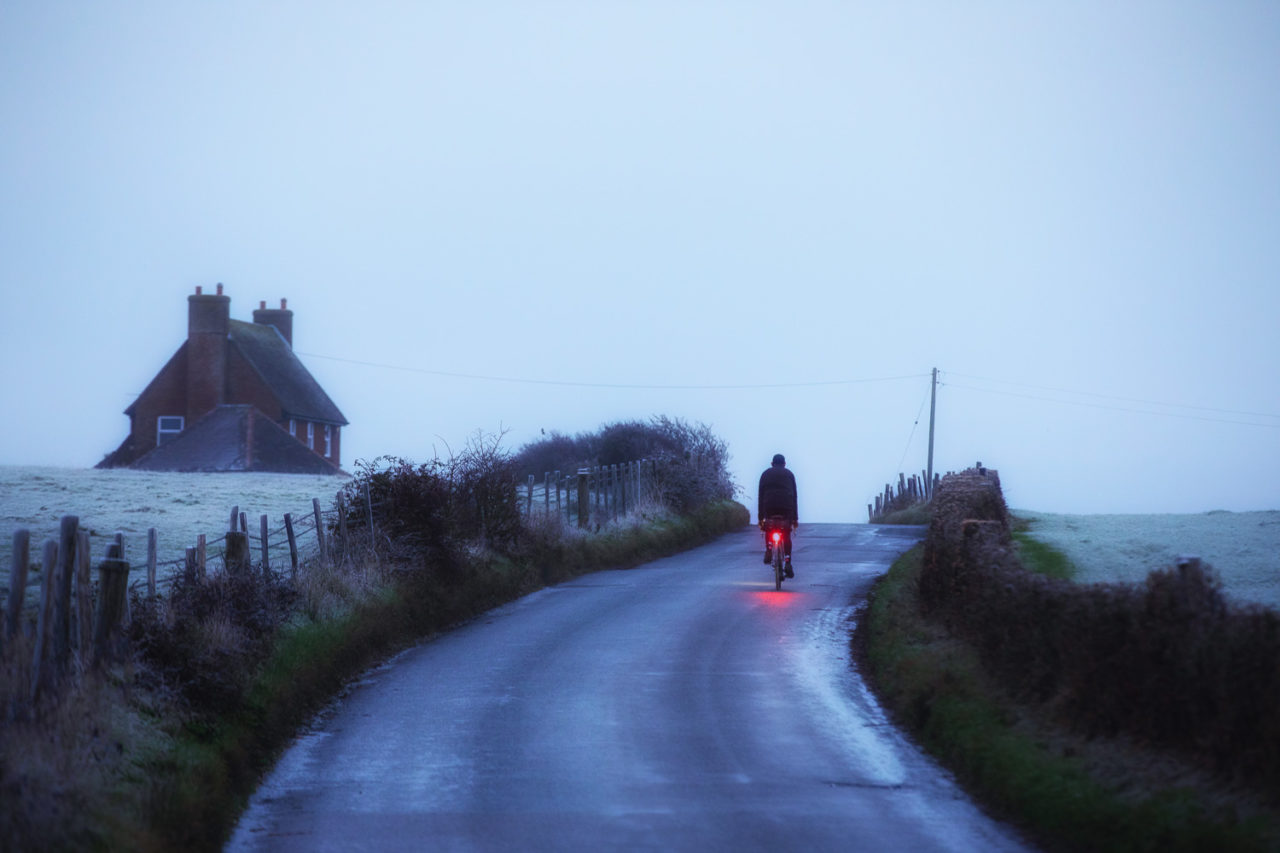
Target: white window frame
<point>293,428</point>
<point>311,435</point>
<point>328,440</point>
<point>163,434</point>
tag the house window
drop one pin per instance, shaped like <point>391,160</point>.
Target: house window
<point>311,435</point>
<point>293,428</point>
<point>168,427</point>
<point>328,440</point>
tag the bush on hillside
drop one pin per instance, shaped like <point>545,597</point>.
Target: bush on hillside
<point>691,462</point>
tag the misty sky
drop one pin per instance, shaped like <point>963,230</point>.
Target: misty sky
<point>581,198</point>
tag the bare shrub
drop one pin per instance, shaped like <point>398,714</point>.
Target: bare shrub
<point>434,510</point>
<point>483,495</point>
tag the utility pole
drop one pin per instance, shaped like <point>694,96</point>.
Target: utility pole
<point>933,408</point>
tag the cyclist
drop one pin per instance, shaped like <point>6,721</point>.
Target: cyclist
<point>777,497</point>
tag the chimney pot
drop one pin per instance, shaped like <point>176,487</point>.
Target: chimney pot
<point>262,304</point>
<point>199,290</point>
<point>283,304</point>
<point>219,288</point>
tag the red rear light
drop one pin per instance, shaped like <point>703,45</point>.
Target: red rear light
<point>777,536</point>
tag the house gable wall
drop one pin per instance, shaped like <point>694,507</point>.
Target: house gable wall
<point>166,395</point>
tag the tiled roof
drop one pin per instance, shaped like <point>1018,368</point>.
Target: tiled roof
<point>298,392</point>
<point>235,438</point>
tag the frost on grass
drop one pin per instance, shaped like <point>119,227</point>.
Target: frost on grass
<point>179,506</point>
<point>1244,547</point>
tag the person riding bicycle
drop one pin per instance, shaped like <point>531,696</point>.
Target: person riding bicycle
<point>778,498</point>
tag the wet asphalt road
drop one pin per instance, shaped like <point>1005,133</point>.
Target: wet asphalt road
<point>683,705</point>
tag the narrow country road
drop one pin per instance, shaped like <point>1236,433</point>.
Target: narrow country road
<point>682,705</point>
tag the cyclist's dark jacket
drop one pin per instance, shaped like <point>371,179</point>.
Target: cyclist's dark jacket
<point>777,493</point>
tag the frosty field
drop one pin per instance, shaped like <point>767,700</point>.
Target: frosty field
<point>179,506</point>
<point>1244,547</point>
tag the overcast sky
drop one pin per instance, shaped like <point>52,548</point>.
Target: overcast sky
<point>580,198</point>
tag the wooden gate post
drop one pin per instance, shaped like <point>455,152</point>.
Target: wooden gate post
<point>236,557</point>
<point>62,579</point>
<point>113,583</point>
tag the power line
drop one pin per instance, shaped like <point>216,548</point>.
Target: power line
<point>914,424</point>
<point>616,385</point>
<point>1111,397</point>
<point>1116,408</point>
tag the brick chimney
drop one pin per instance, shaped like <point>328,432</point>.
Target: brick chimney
<point>281,318</point>
<point>208,325</point>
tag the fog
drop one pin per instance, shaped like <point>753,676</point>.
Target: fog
<point>773,218</point>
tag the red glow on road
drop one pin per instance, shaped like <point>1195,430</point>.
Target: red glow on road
<point>780,600</point>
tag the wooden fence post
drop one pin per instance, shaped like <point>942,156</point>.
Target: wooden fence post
<point>41,668</point>
<point>153,548</point>
<point>235,560</point>
<point>293,544</point>
<point>244,523</point>
<point>113,583</point>
<point>529,497</point>
<point>20,565</point>
<point>342,525</point>
<point>324,553</point>
<point>266,553</point>
<point>582,496</point>
<point>202,556</point>
<point>84,597</point>
<point>193,564</point>
<point>546,493</point>
<point>62,579</point>
<point>235,518</point>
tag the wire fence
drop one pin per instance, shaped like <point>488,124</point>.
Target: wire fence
<point>278,542</point>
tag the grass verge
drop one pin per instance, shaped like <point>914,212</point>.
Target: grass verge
<point>1066,793</point>
<point>1038,557</point>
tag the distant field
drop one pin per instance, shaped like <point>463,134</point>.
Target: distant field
<point>179,506</point>
<point>1244,547</point>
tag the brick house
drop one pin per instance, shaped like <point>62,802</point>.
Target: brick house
<point>234,397</point>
